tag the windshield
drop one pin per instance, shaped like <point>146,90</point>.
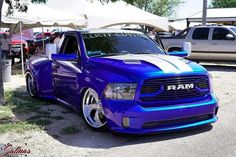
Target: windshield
<point>233,29</point>
<point>108,44</point>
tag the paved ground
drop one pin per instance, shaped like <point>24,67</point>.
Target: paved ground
<point>218,140</point>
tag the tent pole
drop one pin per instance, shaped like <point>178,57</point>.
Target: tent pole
<point>204,13</point>
<point>21,49</point>
<point>10,35</point>
<point>43,37</point>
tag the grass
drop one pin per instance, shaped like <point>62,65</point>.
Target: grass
<point>5,113</point>
<point>19,127</point>
<point>19,102</point>
<point>70,130</point>
<point>43,120</point>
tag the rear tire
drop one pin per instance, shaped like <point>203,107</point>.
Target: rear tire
<point>31,85</point>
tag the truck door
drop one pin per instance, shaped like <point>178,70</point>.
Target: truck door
<point>66,72</point>
<point>200,39</point>
<point>222,47</point>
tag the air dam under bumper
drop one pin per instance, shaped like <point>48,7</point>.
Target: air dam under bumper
<point>142,120</point>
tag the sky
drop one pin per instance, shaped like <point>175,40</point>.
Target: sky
<point>189,7</point>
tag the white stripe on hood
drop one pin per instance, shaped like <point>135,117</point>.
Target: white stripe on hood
<point>168,64</point>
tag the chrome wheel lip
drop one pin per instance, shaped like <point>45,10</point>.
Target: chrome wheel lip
<point>31,84</point>
<point>91,105</point>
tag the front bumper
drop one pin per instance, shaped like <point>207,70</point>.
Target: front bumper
<point>142,120</point>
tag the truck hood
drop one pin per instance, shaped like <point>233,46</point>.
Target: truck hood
<point>147,65</point>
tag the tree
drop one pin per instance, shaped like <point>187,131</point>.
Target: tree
<point>223,3</point>
<point>13,5</point>
<point>158,7</point>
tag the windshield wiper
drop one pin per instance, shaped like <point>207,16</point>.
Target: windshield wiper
<point>116,53</point>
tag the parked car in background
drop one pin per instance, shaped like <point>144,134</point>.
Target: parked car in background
<point>16,49</point>
<point>40,35</point>
<point>123,80</point>
<point>208,42</point>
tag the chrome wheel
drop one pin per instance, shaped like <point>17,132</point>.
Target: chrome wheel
<point>92,109</point>
<point>31,85</point>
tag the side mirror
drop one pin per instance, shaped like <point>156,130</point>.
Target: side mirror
<point>178,53</point>
<point>65,57</point>
<point>230,37</point>
<point>186,50</point>
<point>187,47</point>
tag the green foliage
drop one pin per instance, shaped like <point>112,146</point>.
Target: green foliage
<point>39,1</point>
<point>20,6</point>
<point>223,3</point>
<point>158,7</point>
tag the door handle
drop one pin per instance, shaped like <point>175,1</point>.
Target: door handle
<point>193,43</point>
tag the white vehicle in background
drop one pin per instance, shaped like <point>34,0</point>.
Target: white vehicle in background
<point>208,42</point>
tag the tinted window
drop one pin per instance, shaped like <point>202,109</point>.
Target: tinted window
<point>70,45</point>
<point>104,44</point>
<point>201,33</point>
<point>220,34</point>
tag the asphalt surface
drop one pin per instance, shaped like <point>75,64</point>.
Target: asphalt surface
<point>216,140</point>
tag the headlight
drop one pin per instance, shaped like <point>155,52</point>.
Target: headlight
<point>124,91</point>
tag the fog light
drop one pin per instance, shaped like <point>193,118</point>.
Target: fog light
<point>125,122</point>
<point>216,110</point>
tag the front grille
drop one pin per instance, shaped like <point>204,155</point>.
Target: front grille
<point>180,121</point>
<point>202,84</point>
<point>157,89</point>
<point>151,88</point>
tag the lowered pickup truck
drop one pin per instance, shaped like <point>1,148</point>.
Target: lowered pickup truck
<point>208,42</point>
<point>123,80</point>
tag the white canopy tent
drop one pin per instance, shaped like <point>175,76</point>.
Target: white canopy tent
<point>39,16</point>
<point>108,14</point>
<point>216,15</point>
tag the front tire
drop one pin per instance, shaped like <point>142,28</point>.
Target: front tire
<point>31,85</point>
<point>92,110</point>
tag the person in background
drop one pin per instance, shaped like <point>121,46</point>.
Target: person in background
<point>5,46</point>
<point>56,39</point>
<point>32,48</point>
<point>39,50</point>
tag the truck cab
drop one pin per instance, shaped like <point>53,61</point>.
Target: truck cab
<point>213,42</point>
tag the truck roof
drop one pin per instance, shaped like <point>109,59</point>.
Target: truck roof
<point>213,26</point>
<point>108,30</point>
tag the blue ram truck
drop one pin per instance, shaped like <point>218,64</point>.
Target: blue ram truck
<point>125,81</point>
